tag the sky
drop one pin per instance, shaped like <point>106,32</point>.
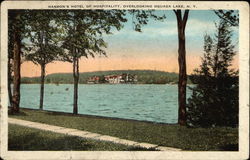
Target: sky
<point>155,48</point>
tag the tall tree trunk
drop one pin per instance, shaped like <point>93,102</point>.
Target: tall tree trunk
<point>76,79</point>
<point>9,82</point>
<point>16,67</point>
<point>42,86</point>
<point>181,24</point>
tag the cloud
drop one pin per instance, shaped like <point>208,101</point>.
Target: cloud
<point>196,27</point>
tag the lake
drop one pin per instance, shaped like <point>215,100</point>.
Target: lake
<point>156,103</point>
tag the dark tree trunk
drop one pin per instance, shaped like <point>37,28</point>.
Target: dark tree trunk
<point>76,79</point>
<point>181,24</point>
<point>42,86</point>
<point>9,82</point>
<point>16,68</point>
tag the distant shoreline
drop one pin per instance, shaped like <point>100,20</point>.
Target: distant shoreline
<point>136,70</point>
<point>114,76</point>
<point>109,83</point>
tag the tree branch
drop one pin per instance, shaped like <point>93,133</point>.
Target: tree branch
<point>233,21</point>
<point>178,15</point>
<point>175,11</point>
<point>185,18</point>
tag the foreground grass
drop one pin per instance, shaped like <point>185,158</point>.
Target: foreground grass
<point>203,139</point>
<point>24,138</point>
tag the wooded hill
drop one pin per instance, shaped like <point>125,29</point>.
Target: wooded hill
<point>144,77</point>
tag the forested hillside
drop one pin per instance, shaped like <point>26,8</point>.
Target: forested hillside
<point>144,77</point>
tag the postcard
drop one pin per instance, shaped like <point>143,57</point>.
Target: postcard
<point>124,80</point>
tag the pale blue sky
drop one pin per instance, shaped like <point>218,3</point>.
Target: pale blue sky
<point>155,48</point>
<point>160,38</point>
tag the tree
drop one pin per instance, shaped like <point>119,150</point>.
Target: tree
<point>142,19</point>
<point>214,101</point>
<point>84,30</point>
<point>15,27</point>
<point>10,60</point>
<point>229,16</point>
<point>43,47</point>
<point>182,83</point>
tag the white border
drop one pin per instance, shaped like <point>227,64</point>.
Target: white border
<point>243,152</point>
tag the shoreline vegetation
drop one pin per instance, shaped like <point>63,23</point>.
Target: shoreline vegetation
<point>169,135</point>
<point>143,77</point>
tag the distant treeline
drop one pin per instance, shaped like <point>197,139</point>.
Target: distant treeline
<point>144,77</point>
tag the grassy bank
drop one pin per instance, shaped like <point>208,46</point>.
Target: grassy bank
<point>24,138</point>
<point>203,139</point>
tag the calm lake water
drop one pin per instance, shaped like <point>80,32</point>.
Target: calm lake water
<point>156,103</point>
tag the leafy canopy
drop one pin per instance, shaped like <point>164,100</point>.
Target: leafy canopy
<point>84,30</point>
<point>42,44</point>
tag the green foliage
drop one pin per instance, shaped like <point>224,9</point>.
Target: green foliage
<point>142,17</point>
<point>42,37</point>
<point>14,24</point>
<point>84,30</point>
<point>144,77</point>
<point>102,79</point>
<point>214,101</point>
